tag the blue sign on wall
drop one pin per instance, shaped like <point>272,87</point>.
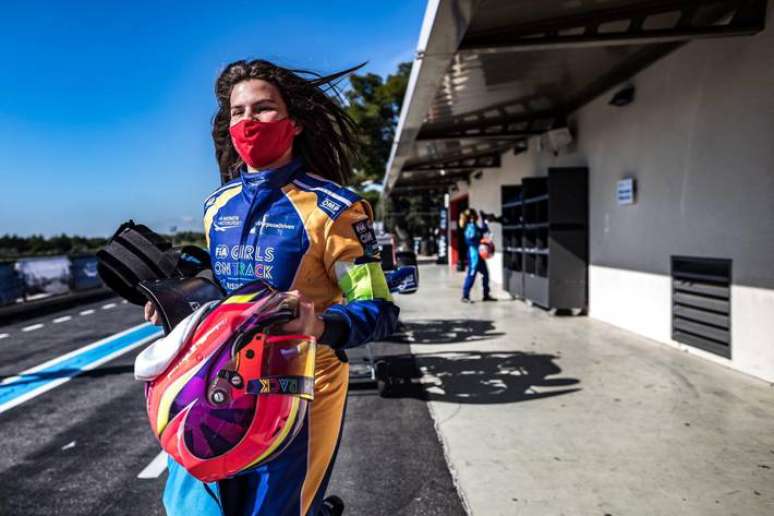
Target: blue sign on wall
<point>625,191</point>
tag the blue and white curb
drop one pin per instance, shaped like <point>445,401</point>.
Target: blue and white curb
<point>28,384</point>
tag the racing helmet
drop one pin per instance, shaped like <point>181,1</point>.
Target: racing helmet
<point>235,395</point>
<point>486,248</point>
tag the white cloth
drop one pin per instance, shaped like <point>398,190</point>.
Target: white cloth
<point>154,359</point>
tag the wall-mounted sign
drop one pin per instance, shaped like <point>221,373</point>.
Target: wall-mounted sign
<point>441,242</point>
<point>625,191</point>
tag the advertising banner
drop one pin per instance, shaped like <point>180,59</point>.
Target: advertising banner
<point>83,272</point>
<point>11,285</point>
<point>49,275</point>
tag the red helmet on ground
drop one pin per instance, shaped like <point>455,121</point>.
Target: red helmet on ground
<point>486,248</point>
<point>235,395</point>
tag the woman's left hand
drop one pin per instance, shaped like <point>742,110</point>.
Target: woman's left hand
<point>307,322</point>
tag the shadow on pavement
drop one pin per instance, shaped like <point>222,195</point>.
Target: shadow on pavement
<point>444,331</point>
<point>474,377</point>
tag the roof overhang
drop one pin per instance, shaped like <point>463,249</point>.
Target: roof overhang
<point>489,74</point>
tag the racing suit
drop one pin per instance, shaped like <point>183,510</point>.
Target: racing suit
<point>294,230</point>
<point>473,235</point>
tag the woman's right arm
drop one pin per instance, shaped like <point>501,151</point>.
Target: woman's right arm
<point>352,262</point>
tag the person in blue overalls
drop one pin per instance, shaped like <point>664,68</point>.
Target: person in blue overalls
<point>476,264</point>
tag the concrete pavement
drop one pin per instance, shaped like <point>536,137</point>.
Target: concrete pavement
<point>545,415</point>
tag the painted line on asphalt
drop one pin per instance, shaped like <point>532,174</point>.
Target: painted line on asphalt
<point>33,327</point>
<point>4,335</point>
<point>156,467</point>
<point>108,306</point>
<point>62,319</point>
<point>33,382</point>
<point>87,312</point>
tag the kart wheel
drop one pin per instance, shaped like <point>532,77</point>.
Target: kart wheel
<point>380,370</point>
<point>384,386</point>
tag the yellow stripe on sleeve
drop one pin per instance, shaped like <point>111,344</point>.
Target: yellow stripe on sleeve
<point>223,198</point>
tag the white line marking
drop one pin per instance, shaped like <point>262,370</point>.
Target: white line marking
<point>33,327</point>
<point>87,312</point>
<point>124,302</point>
<point>156,467</point>
<point>108,306</point>
<point>3,335</point>
<point>35,297</point>
<point>93,345</point>
<point>56,383</point>
<point>62,319</point>
<point>69,445</point>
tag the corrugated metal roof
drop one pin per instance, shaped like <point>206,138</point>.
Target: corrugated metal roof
<point>489,73</point>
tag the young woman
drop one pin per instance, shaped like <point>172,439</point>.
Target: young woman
<point>285,219</point>
<point>476,264</point>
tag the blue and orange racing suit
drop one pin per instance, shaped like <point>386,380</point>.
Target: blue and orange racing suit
<point>473,235</point>
<point>294,230</point>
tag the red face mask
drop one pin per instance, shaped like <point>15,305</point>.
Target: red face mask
<point>262,143</point>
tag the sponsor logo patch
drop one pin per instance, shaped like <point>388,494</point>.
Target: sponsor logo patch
<point>364,230</point>
<point>248,252</point>
<point>221,251</point>
<point>292,385</point>
<point>226,222</point>
<point>265,224</point>
<point>330,205</point>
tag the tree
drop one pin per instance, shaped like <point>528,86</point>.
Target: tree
<point>374,104</point>
<point>14,246</point>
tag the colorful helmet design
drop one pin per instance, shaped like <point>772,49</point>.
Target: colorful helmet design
<point>486,248</point>
<point>235,395</point>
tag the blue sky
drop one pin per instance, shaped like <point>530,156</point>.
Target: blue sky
<point>105,106</point>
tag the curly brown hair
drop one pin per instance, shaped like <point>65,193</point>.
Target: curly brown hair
<point>327,143</point>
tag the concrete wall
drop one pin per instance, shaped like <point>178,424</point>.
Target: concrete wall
<point>699,139</point>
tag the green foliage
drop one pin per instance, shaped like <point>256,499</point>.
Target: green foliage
<point>13,246</point>
<point>372,197</point>
<point>374,104</point>
<point>418,213</point>
<point>188,238</point>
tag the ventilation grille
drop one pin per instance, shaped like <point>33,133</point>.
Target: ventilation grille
<point>701,303</point>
